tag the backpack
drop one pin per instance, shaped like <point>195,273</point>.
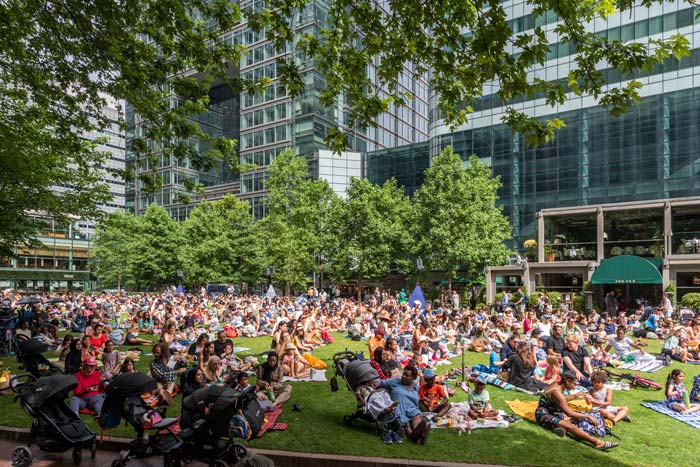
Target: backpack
<point>109,416</point>
<point>695,391</point>
<point>239,427</point>
<point>586,425</point>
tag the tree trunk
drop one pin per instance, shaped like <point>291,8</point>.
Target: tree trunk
<point>359,284</point>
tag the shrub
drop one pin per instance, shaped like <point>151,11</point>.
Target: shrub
<point>498,297</point>
<point>555,298</point>
<point>533,300</point>
<point>578,303</point>
<point>691,300</point>
<point>480,305</point>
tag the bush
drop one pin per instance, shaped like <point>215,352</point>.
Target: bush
<point>480,305</point>
<point>533,301</point>
<point>498,297</point>
<point>555,298</point>
<point>578,303</point>
<point>691,300</point>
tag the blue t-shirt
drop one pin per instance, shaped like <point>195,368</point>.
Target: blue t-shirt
<point>651,323</point>
<point>406,397</point>
<point>493,358</point>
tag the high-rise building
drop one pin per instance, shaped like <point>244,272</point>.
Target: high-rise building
<point>269,122</point>
<point>598,160</point>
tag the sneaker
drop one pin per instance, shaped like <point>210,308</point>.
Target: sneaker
<point>396,437</point>
<point>559,431</point>
<point>464,386</point>
<point>667,360</point>
<point>388,438</point>
<point>627,419</point>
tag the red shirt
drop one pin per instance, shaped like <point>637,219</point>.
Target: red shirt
<point>98,342</point>
<point>84,382</point>
<point>432,396</point>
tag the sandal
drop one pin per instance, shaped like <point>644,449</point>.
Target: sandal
<point>607,445</point>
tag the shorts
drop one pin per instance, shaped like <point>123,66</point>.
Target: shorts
<point>610,409</point>
<point>547,420</point>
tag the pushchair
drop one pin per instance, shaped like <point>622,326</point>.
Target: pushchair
<point>371,403</point>
<point>206,434</point>
<point>124,401</point>
<point>30,358</point>
<point>55,428</point>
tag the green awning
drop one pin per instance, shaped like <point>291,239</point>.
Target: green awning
<point>626,269</point>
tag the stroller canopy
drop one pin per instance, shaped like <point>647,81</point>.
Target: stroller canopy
<point>33,346</point>
<point>358,372</point>
<point>130,384</point>
<point>36,393</point>
<point>218,397</point>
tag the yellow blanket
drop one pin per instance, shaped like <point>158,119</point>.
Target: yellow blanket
<point>526,409</point>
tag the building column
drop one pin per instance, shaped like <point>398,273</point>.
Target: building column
<point>490,286</point>
<point>666,275</point>
<point>540,237</point>
<point>600,232</point>
<point>668,231</point>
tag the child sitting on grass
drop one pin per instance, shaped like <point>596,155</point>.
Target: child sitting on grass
<point>479,406</point>
<point>677,397</point>
<point>601,397</point>
<point>552,373</point>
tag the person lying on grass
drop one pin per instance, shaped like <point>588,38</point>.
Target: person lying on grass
<point>553,412</point>
<point>600,398</point>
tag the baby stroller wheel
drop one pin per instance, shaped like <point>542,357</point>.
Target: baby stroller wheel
<point>218,463</point>
<point>77,456</point>
<point>118,463</point>
<point>93,449</point>
<point>22,456</point>
<point>240,451</point>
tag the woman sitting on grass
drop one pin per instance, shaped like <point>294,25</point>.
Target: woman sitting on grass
<point>404,390</point>
<point>677,397</point>
<point>553,412</point>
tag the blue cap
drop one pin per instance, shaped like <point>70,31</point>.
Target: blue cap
<point>428,373</point>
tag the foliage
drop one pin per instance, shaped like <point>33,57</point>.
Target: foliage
<point>221,243</point>
<point>466,47</point>
<point>113,248</point>
<point>533,300</point>
<point>691,300</point>
<point>555,299</point>
<point>578,303</point>
<point>59,60</point>
<point>372,231</point>
<point>456,218</point>
<point>587,286</point>
<point>498,297</point>
<point>156,250</point>
<point>295,232</point>
<point>529,244</point>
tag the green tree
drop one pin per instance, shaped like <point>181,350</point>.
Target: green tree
<point>287,241</point>
<point>57,62</point>
<point>457,221</point>
<point>221,243</point>
<point>114,243</point>
<point>157,245</point>
<point>466,46</point>
<point>372,232</point>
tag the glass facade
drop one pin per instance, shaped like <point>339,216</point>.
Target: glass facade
<point>406,163</point>
<point>645,154</point>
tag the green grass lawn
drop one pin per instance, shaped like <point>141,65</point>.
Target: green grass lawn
<point>651,440</point>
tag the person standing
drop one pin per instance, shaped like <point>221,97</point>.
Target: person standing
<point>611,304</point>
<point>667,306</point>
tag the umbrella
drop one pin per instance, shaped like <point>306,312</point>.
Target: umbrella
<point>27,300</point>
<point>300,300</point>
<point>417,296</point>
<point>54,300</point>
<point>270,293</point>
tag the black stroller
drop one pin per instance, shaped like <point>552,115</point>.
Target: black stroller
<point>30,358</point>
<point>207,435</point>
<point>55,428</point>
<point>371,403</point>
<point>124,401</point>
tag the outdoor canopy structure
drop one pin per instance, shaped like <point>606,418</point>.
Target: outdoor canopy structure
<point>626,269</point>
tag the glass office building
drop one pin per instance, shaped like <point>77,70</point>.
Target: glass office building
<point>648,153</point>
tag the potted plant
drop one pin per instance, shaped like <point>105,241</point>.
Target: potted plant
<point>549,254</point>
<point>530,251</point>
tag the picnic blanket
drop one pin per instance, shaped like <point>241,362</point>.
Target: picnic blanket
<point>526,409</point>
<point>315,376</point>
<point>271,422</point>
<point>458,419</point>
<point>494,380</point>
<point>692,419</point>
<point>649,367</point>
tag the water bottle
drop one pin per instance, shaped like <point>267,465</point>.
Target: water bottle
<point>271,395</point>
<point>361,355</point>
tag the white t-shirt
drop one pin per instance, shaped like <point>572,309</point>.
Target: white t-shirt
<point>622,346</point>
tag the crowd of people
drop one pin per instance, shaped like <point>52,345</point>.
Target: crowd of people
<point>539,349</point>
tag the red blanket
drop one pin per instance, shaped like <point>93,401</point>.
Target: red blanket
<point>271,422</point>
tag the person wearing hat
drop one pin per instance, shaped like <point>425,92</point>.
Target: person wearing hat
<point>433,397</point>
<point>89,393</point>
<point>479,401</point>
<point>377,340</point>
<point>293,364</point>
<point>553,412</point>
